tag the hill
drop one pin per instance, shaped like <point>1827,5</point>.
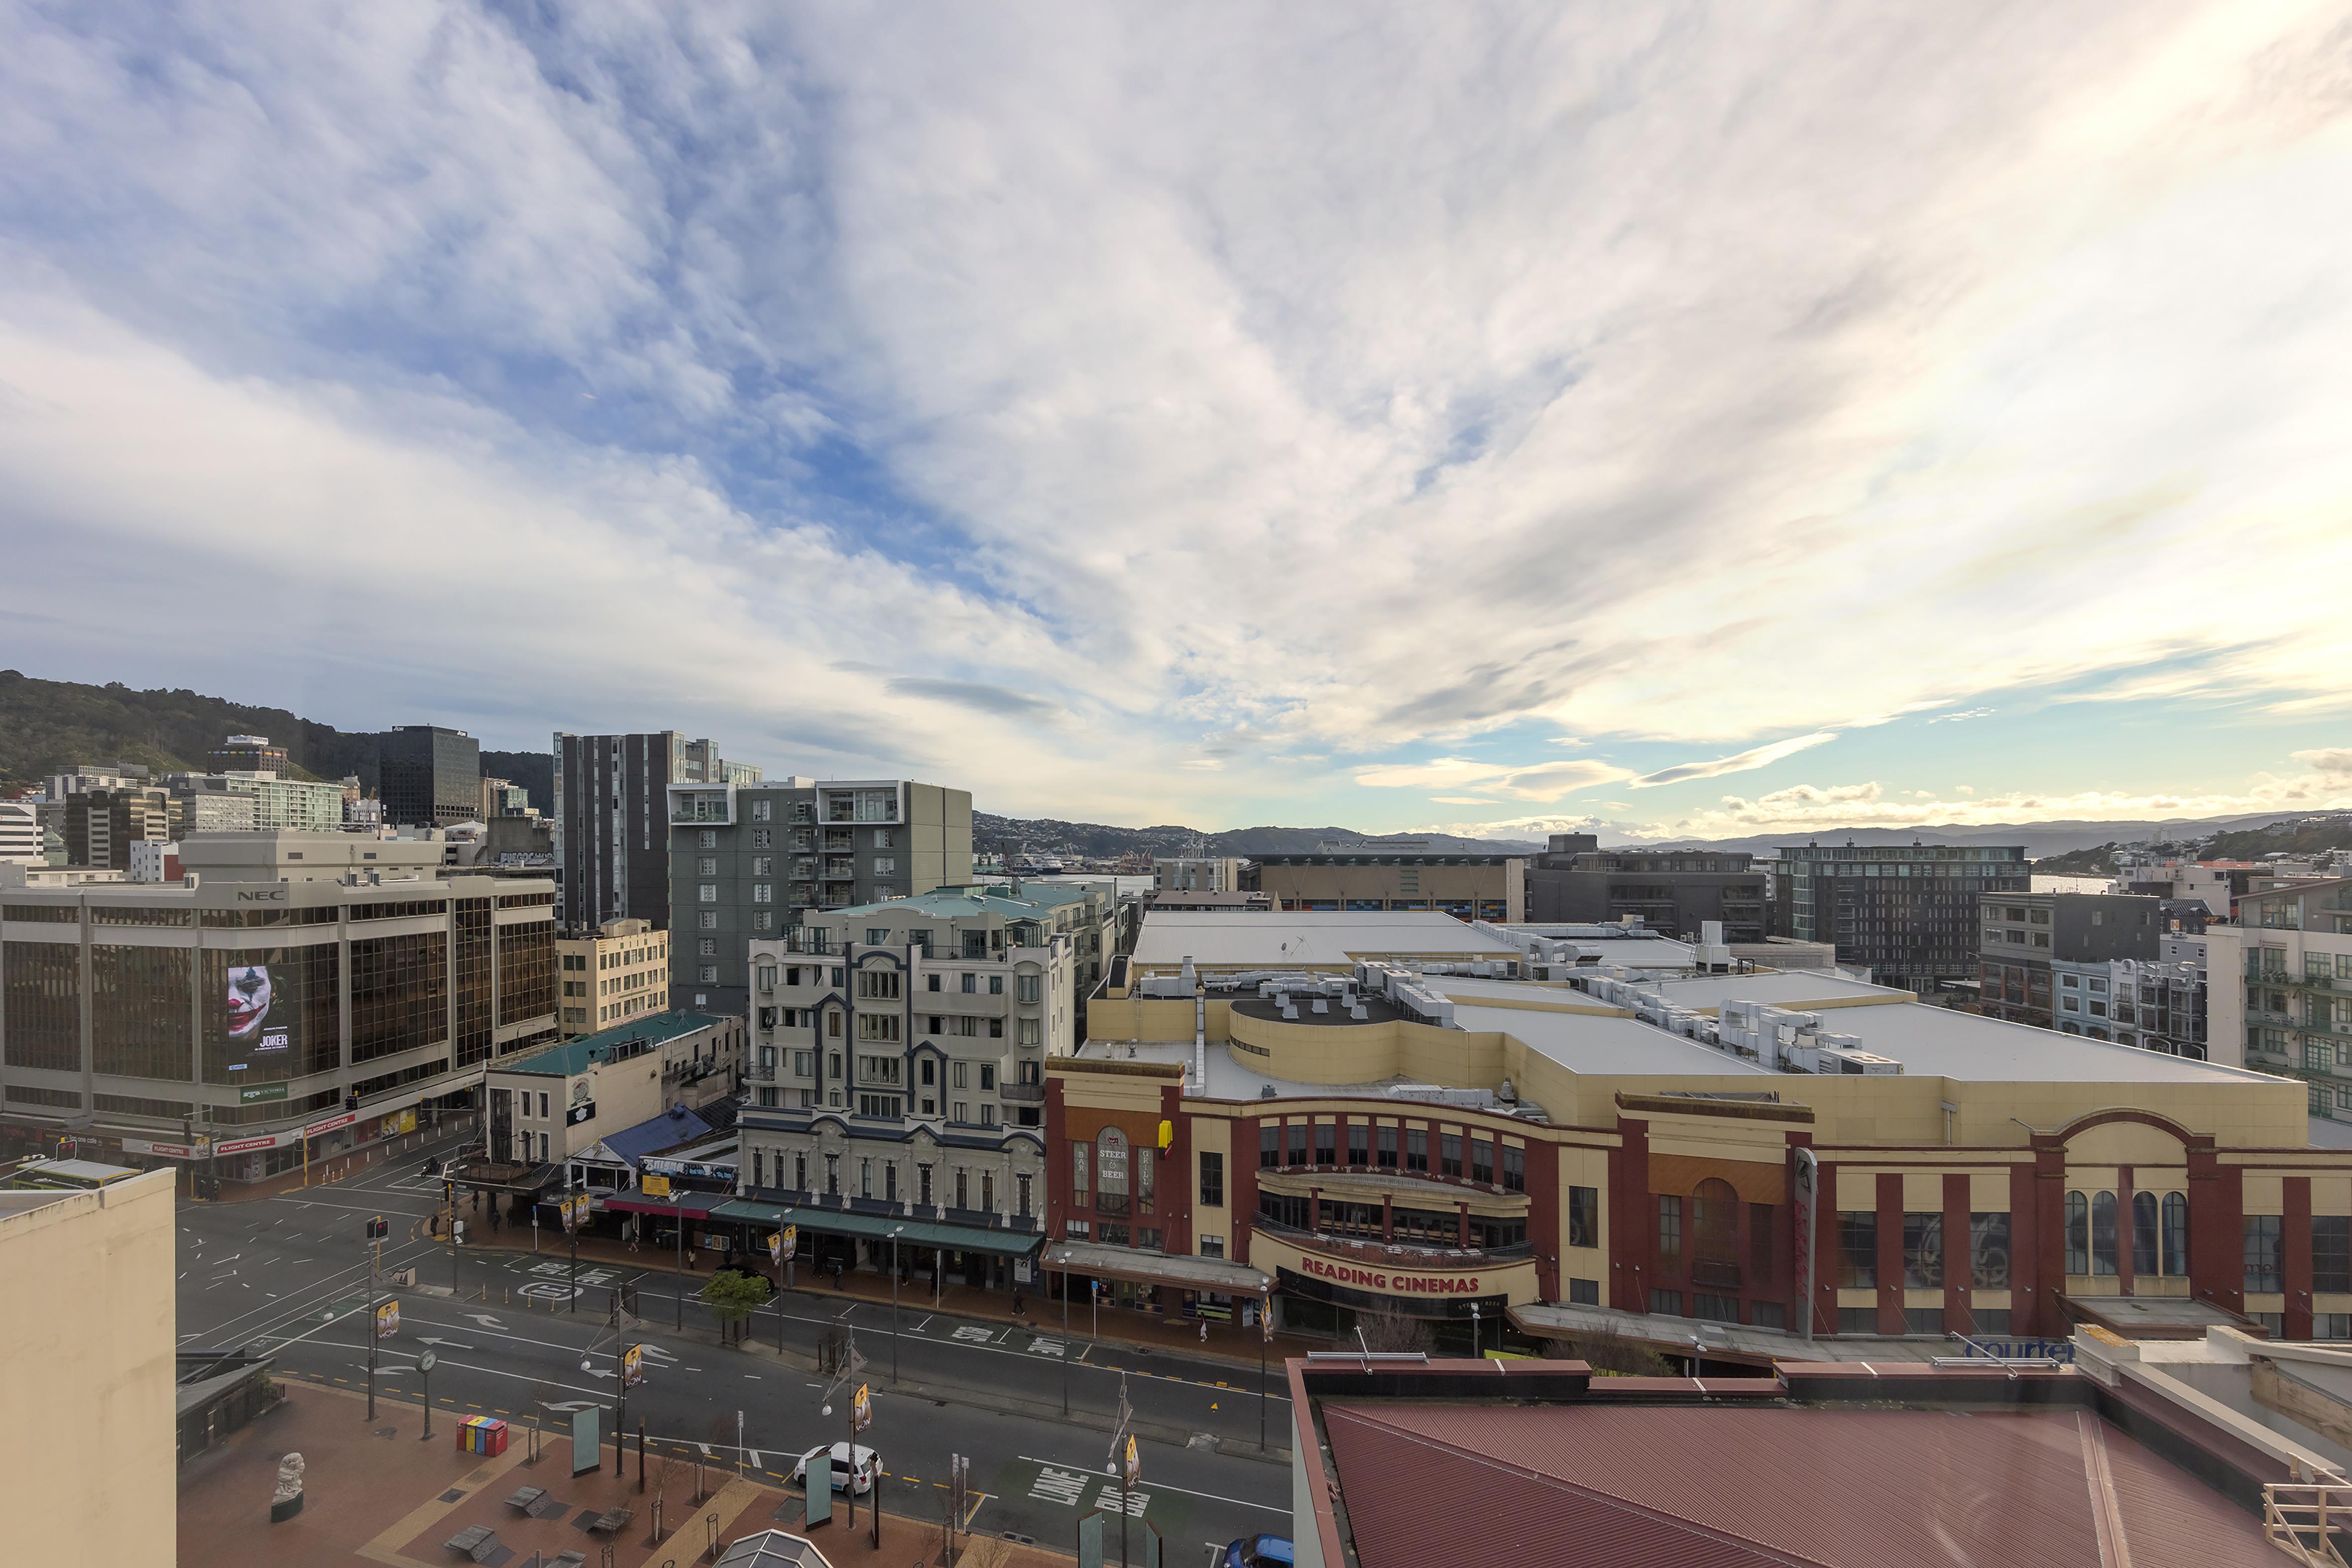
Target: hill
<point>1100,841</point>
<point>2290,836</point>
<point>47,726</point>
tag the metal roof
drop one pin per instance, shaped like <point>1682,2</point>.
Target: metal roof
<point>574,1057</point>
<point>1297,939</point>
<point>881,1228</point>
<point>1730,1487</point>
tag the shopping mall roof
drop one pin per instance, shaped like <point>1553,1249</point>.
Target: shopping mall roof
<point>1306,939</point>
<point>572,1056</point>
<point>1794,988</point>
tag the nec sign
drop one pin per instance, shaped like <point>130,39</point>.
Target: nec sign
<point>263,896</point>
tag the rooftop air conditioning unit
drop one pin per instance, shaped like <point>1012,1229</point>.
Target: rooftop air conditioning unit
<point>1864,1063</point>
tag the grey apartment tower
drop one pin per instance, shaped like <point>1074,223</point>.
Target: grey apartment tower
<point>611,820</point>
<point>430,777</point>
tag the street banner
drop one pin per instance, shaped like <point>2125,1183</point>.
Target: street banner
<point>633,1366</point>
<point>387,1319</point>
<point>1808,1184</point>
<point>787,1243</point>
<point>1134,1465</point>
<point>862,1409</point>
<point>574,1210</point>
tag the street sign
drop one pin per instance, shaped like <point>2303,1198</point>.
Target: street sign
<point>633,1366</point>
<point>427,1362</point>
<point>862,1409</point>
<point>260,1093</point>
<point>653,1186</point>
<point>387,1319</point>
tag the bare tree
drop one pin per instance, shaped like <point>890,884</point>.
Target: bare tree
<point>1612,1355</point>
<point>543,1394</point>
<point>665,1474</point>
<point>1387,1329</point>
<point>985,1552</point>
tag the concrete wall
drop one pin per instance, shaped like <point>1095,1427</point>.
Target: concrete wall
<point>88,1322</point>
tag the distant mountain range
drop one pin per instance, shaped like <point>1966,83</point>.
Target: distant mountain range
<point>1039,837</point>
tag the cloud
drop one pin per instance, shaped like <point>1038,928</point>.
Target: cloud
<point>1962,717</point>
<point>1740,763</point>
<point>978,695</point>
<point>2333,764</point>
<point>1544,781</point>
<point>1126,370</point>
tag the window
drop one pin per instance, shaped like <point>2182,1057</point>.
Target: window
<point>1857,1250</point>
<point>1360,1144</point>
<point>1482,1160</point>
<point>708,893</point>
<point>1857,1320</point>
<point>878,984</point>
<point>1417,1148</point>
<point>2176,1235</point>
<point>883,865</point>
<point>890,1182</point>
<point>1026,988</point>
<point>1269,1141</point>
<point>1666,1303</point>
<point>1213,1181</point>
<point>2102,1234</point>
<point>2147,1244</point>
<point>2331,1253</point>
<point>1023,1186</point>
<point>1213,1246</point>
<point>1327,1143</point>
<point>1670,1227</point>
<point>1081,1187</point>
<point>1584,1216</point>
<point>1295,1143</point>
<point>1584,1292</point>
<point>710,975</point>
<point>1515,1168</point>
<point>1388,1148</point>
<point>709,948</point>
<point>1988,1251</point>
<point>1923,1251</point>
<point>1449,1155</point>
<point>2078,1234</point>
<point>2264,1271</point>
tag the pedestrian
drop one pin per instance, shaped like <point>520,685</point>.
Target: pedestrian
<point>1205,1330</point>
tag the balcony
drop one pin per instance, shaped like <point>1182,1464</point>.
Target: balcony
<point>1715,1274</point>
<point>1021,1093</point>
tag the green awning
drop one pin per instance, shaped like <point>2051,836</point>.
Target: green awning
<point>910,1232</point>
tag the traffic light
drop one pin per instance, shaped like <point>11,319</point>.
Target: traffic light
<point>377,1229</point>
<point>350,1102</point>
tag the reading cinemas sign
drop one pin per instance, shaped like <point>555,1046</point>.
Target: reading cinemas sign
<point>1396,1284</point>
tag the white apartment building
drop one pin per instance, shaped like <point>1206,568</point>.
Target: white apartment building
<point>1198,874</point>
<point>20,833</point>
<point>2280,989</point>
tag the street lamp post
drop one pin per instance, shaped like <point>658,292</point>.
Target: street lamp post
<point>1265,1337</point>
<point>1065,1344</point>
<point>1478,1335</point>
<point>894,1305</point>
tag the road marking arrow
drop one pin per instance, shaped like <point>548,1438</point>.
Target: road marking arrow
<point>453,1344</point>
<point>486,1321</point>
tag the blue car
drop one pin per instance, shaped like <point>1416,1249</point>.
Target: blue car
<point>1257,1552</point>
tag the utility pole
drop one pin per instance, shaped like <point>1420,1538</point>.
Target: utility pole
<point>1264,1338</point>
<point>894,1305</point>
<point>851,1363</point>
<point>1065,1346</point>
<point>1123,1461</point>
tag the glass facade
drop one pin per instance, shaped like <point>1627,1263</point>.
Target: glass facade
<point>400,993</point>
<point>43,981</point>
<point>140,1011</point>
<point>526,971</point>
<point>471,943</point>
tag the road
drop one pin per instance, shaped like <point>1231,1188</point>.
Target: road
<point>290,1275</point>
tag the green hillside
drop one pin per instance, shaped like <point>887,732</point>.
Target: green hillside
<point>47,726</point>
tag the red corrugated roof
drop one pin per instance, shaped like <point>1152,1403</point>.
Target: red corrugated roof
<point>1428,1485</point>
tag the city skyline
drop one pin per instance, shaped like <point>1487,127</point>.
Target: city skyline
<point>1693,424</point>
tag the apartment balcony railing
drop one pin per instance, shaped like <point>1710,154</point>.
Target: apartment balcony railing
<point>1715,1274</point>
<point>1021,1093</point>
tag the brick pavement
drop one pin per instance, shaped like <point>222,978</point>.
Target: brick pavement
<point>376,1492</point>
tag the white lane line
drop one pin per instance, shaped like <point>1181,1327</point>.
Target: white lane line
<point>1164,1485</point>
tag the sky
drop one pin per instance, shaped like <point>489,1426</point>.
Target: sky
<point>1690,420</point>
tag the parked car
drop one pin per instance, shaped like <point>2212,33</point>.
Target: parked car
<point>1255,1551</point>
<point>868,1466</point>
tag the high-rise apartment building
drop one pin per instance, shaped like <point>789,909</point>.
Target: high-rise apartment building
<point>274,804</point>
<point>748,861</point>
<point>306,992</point>
<point>1905,912</point>
<point>611,820</point>
<point>2280,989</point>
<point>430,777</point>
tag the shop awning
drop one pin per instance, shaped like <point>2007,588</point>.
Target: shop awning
<point>1222,1275</point>
<point>504,1176</point>
<point>694,1205</point>
<point>919,1233</point>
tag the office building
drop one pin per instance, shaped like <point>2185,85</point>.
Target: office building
<point>1673,890</point>
<point>274,804</point>
<point>2159,1005</point>
<point>83,777</point>
<point>249,755</point>
<point>1639,1157</point>
<point>1198,874</point>
<point>1905,913</point>
<point>204,803</point>
<point>100,825</point>
<point>612,975</point>
<point>611,820</point>
<point>306,991</point>
<point>1372,877</point>
<point>2042,957</point>
<point>429,776</point>
<point>897,1073</point>
<point>20,833</point>
<point>504,798</point>
<point>750,861</point>
<point>89,1320</point>
<point>153,862</point>
<point>2280,989</point>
